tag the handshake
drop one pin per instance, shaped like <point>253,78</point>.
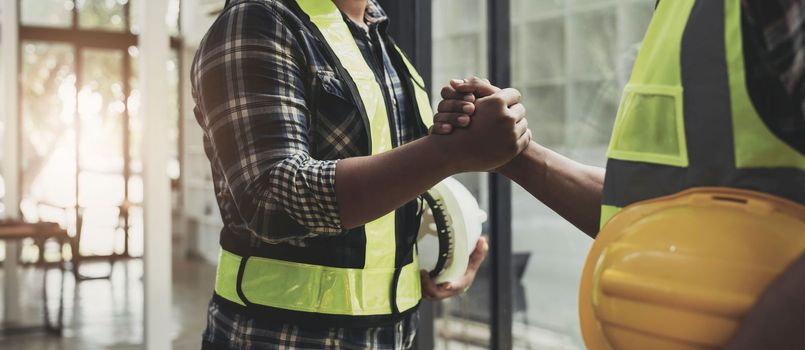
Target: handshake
<point>480,126</point>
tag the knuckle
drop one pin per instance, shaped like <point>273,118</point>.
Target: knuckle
<point>498,101</point>
<point>509,121</point>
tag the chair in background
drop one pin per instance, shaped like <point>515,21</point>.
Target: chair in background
<point>74,240</point>
<point>40,232</point>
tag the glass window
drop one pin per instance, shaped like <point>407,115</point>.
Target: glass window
<point>102,14</point>
<point>65,124</point>
<point>47,13</point>
<point>72,119</point>
<point>48,108</point>
<point>101,108</point>
<point>459,51</point>
<point>48,129</point>
<point>570,59</point>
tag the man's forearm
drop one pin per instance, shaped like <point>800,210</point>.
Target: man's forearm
<point>571,189</point>
<point>369,187</point>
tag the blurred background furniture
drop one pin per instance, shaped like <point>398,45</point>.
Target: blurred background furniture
<point>40,233</point>
<point>64,216</point>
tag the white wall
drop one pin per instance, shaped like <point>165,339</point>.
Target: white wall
<point>8,113</point>
<point>200,208</point>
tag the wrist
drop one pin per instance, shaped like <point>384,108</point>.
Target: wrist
<point>443,154</point>
<point>532,162</point>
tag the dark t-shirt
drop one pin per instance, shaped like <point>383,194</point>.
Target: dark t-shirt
<point>774,46</point>
<point>774,42</point>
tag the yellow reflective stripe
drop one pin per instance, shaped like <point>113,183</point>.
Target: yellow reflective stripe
<point>423,104</point>
<point>659,60</point>
<point>380,234</point>
<point>607,213</point>
<point>314,288</point>
<point>226,276</point>
<point>422,98</point>
<point>320,9</point>
<point>755,145</point>
<point>417,79</point>
<point>380,242</point>
<point>656,75</point>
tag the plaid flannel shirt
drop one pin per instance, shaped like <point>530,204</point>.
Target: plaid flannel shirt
<point>252,81</point>
<point>273,165</point>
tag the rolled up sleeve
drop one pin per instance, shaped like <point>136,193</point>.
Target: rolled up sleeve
<point>250,94</point>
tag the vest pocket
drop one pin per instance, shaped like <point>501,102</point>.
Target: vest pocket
<point>650,126</point>
<point>335,124</point>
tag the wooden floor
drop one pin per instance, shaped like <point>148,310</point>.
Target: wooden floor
<point>108,314</point>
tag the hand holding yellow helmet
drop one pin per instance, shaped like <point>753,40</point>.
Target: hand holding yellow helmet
<point>680,272</point>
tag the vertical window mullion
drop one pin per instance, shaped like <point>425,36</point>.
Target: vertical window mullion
<point>422,11</point>
<point>499,46</point>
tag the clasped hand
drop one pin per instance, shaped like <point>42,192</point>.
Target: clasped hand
<point>486,125</point>
<point>487,128</point>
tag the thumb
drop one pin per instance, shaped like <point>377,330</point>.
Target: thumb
<point>478,87</point>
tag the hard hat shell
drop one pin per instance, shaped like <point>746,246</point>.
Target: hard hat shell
<point>679,272</point>
<point>463,220</point>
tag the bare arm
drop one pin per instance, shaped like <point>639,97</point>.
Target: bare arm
<point>369,187</point>
<point>571,189</point>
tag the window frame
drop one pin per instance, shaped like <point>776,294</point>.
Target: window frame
<point>83,38</point>
<point>416,40</point>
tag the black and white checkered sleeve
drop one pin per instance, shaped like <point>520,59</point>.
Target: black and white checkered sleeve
<point>248,84</point>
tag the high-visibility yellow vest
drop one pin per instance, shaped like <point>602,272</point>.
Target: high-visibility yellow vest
<point>362,281</point>
<point>686,119</point>
<point>703,204</point>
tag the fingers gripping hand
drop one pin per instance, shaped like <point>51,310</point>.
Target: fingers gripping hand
<point>454,111</point>
<point>477,86</point>
<point>457,106</point>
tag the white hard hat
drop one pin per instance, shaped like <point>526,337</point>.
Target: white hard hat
<point>450,228</point>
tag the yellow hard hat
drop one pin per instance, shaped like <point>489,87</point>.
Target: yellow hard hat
<point>680,272</point>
